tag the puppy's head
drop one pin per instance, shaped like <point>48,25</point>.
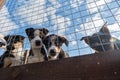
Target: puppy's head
<point>53,45</point>
<point>36,36</point>
<point>14,42</point>
<point>100,41</point>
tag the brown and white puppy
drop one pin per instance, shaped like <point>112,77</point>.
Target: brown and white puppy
<point>37,51</point>
<point>53,45</point>
<point>102,40</point>
<point>13,55</point>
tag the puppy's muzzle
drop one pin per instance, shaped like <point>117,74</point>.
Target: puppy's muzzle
<point>37,42</point>
<point>52,52</point>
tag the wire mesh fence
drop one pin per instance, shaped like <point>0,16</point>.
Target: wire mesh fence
<point>73,19</point>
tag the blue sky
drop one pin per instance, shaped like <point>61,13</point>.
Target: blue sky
<point>71,18</point>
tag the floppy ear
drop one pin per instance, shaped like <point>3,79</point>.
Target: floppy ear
<point>21,38</point>
<point>2,44</point>
<point>64,40</point>
<point>45,31</point>
<point>7,37</point>
<point>29,31</point>
<point>104,29</point>
<point>86,39</point>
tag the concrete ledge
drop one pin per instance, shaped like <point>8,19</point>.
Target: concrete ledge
<point>102,66</point>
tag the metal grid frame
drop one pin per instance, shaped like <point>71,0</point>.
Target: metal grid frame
<point>77,18</point>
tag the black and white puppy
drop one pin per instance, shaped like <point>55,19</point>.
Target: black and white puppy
<point>14,53</point>
<point>102,40</point>
<point>53,45</point>
<point>37,51</point>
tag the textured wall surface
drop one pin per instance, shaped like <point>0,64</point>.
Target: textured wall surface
<point>103,66</point>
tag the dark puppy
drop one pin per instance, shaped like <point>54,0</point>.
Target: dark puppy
<point>102,40</point>
<point>53,45</point>
<point>14,51</point>
<point>37,51</point>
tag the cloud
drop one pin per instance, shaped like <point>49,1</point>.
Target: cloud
<point>6,25</point>
<point>36,13</point>
<point>115,30</point>
<point>94,5</point>
<point>91,27</point>
<point>95,22</point>
<point>74,43</point>
<point>116,13</point>
<point>32,12</point>
<point>59,22</point>
<point>76,3</point>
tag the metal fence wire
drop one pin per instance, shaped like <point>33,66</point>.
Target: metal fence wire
<point>88,25</point>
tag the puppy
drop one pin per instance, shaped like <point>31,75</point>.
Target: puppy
<point>37,51</point>
<point>53,45</point>
<point>13,54</point>
<point>102,40</point>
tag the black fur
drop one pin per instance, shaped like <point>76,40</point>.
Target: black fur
<point>102,40</point>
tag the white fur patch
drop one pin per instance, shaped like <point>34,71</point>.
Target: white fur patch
<point>34,59</point>
<point>37,33</point>
<point>36,37</point>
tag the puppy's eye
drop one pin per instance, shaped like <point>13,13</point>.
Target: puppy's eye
<point>56,43</point>
<point>41,37</point>
<point>47,45</point>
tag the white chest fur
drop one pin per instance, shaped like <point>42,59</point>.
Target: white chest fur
<point>38,56</point>
<point>18,59</point>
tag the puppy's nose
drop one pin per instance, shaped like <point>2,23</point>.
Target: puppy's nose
<point>38,42</point>
<point>52,52</point>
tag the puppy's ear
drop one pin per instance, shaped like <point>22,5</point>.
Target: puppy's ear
<point>7,38</point>
<point>2,44</point>
<point>45,31</point>
<point>63,40</point>
<point>21,38</point>
<point>86,39</point>
<point>29,31</point>
<point>104,29</point>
